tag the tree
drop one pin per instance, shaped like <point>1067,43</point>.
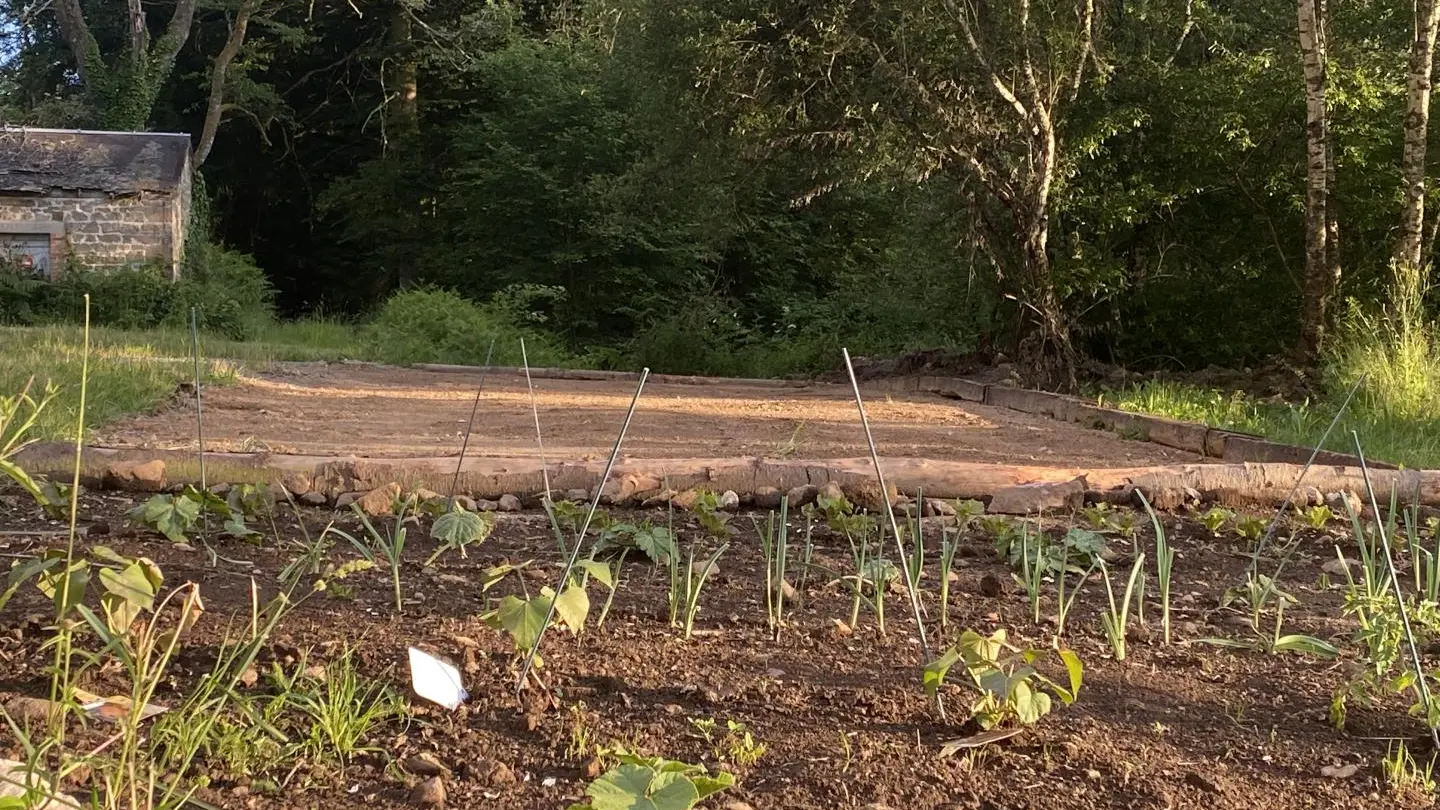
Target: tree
<point>1322,231</point>
<point>1408,245</point>
<point>123,87</point>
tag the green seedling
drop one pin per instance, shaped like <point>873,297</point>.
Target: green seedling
<point>949,544</point>
<point>691,583</point>
<point>458,529</point>
<point>1318,517</point>
<point>652,783</point>
<point>966,512</point>
<point>18,415</point>
<point>1404,774</point>
<point>1164,561</point>
<point>342,710</point>
<point>1215,518</point>
<point>655,542</point>
<point>1116,620</point>
<point>1034,564</point>
<point>1011,690</point>
<point>524,619</point>
<point>1097,516</point>
<point>1250,527</point>
<point>713,521</point>
<point>389,546</point>
<point>1258,592</point>
<point>774,544</point>
<point>735,745</point>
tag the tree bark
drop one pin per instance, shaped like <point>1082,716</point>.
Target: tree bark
<point>403,82</point>
<point>219,69</point>
<point>1408,248</point>
<point>124,90</point>
<point>1322,264</point>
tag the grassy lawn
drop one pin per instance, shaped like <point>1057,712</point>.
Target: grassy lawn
<point>133,370</point>
<point>1410,437</point>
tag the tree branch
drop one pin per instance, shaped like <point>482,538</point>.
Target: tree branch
<point>70,18</point>
<point>215,106</point>
<point>1008,95</point>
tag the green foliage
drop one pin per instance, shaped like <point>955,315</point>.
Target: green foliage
<point>1011,689</point>
<point>433,325</point>
<point>655,542</point>
<point>458,528</point>
<point>652,783</point>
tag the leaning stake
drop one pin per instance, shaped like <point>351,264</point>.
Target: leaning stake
<point>885,496</point>
<point>535,412</point>
<point>1420,683</point>
<point>200,434</point>
<point>580,536</point>
<point>469,426</point>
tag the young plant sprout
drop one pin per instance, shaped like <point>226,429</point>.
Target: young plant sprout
<point>774,542</point>
<point>1116,620</point>
<point>1164,559</point>
<point>376,546</point>
<point>694,582</point>
<point>1032,567</point>
<point>949,544</point>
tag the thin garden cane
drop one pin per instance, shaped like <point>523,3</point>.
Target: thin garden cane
<point>579,541</point>
<point>545,502</point>
<point>885,498</point>
<point>200,433</point>
<point>1310,462</point>
<point>535,412</point>
<point>469,426</point>
<point>1421,685</point>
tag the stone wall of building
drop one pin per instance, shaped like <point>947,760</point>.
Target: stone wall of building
<point>101,232</point>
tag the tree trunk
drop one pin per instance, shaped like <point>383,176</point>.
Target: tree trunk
<point>402,83</point>
<point>215,105</point>
<point>1408,248</point>
<point>123,90</point>
<point>1322,265</point>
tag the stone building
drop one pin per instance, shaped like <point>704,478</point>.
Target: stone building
<point>93,199</point>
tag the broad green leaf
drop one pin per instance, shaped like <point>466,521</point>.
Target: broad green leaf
<point>936,670</point>
<point>131,584</point>
<point>11,470</point>
<point>1030,704</point>
<point>522,619</point>
<point>710,785</point>
<point>235,527</point>
<point>171,516</point>
<point>208,501</point>
<point>599,570</point>
<point>50,584</point>
<point>459,528</point>
<point>492,576</point>
<point>572,607</point>
<point>632,787</point>
<point>1076,671</point>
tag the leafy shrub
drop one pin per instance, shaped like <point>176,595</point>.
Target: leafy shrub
<point>231,294</point>
<point>432,325</point>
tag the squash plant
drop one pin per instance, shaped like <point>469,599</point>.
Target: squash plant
<point>1011,689</point>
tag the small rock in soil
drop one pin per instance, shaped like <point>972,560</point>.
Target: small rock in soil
<point>830,491</point>
<point>738,806</point>
<point>380,501</point>
<point>249,677</point>
<point>28,709</point>
<point>148,476</point>
<point>347,498</point>
<point>429,793</point>
<point>934,507</point>
<point>990,585</point>
<point>658,499</point>
<point>593,768</point>
<point>1337,569</point>
<point>685,500</point>
<point>701,567</point>
<point>1337,501</point>
<point>509,503</point>
<point>465,502</point>
<point>841,628</point>
<point>485,505</point>
<point>729,501</point>
<point>312,499</point>
<point>577,495</point>
<point>424,765</point>
<point>801,495</point>
<point>497,773</point>
<point>787,591</point>
<point>766,498</point>
<point>315,672</point>
<point>1340,771</point>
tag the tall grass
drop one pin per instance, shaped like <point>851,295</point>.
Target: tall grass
<point>135,370</point>
<point>1397,408</point>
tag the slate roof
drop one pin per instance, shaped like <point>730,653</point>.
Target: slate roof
<point>35,161</point>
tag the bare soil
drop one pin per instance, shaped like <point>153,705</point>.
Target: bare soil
<point>378,411</point>
<point>842,716</point>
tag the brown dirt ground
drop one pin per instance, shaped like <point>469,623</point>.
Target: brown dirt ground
<point>1179,726</point>
<point>377,411</point>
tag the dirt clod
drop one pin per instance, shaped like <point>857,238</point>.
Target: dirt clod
<point>429,793</point>
<point>380,501</point>
<point>424,765</point>
<point>991,585</point>
<point>508,503</point>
